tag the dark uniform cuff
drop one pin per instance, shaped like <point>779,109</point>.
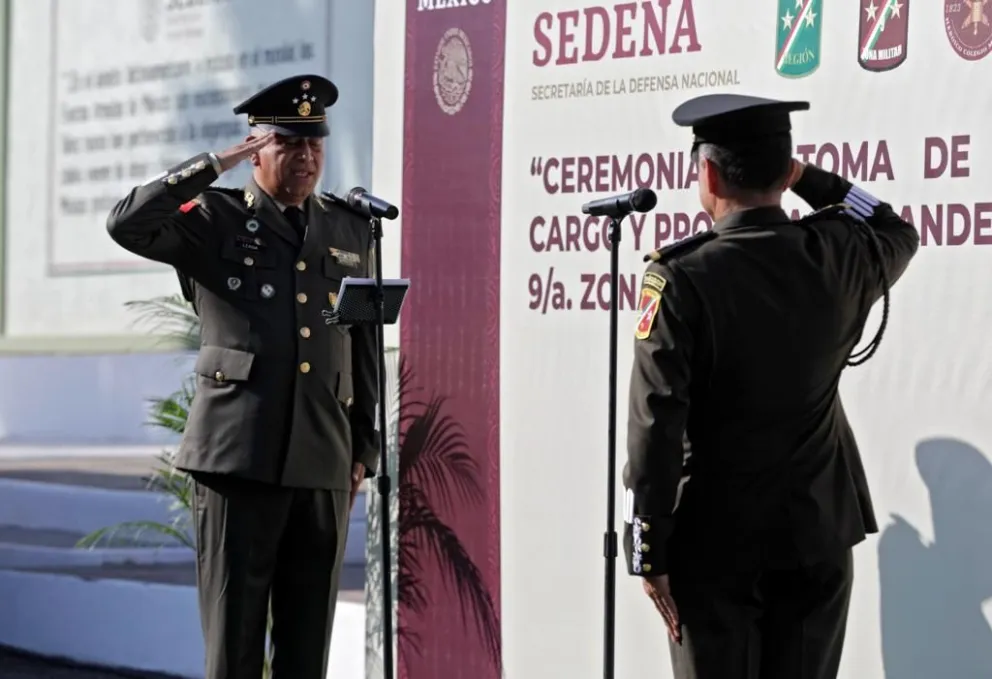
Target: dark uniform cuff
<point>367,453</point>
<point>820,188</point>
<point>645,556</point>
<point>188,180</point>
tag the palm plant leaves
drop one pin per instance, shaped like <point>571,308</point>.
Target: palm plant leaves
<point>171,412</point>
<point>172,318</point>
<point>434,463</point>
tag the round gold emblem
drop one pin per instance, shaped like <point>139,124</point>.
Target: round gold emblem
<point>453,71</point>
<point>304,109</point>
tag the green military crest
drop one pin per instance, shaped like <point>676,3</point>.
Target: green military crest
<point>797,41</point>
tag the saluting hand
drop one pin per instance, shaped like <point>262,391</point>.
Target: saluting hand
<point>795,172</point>
<point>236,154</point>
<point>660,591</point>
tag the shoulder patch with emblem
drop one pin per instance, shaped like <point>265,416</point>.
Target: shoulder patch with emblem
<point>680,247</point>
<point>651,289</point>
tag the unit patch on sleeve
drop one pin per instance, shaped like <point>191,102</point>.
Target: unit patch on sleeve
<point>650,303</point>
<point>653,281</point>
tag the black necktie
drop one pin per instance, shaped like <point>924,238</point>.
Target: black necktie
<point>295,216</point>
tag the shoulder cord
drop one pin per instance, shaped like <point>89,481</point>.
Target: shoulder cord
<point>861,356</point>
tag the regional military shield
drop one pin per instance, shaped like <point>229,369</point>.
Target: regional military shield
<point>883,34</point>
<point>649,304</point>
<point>797,49</point>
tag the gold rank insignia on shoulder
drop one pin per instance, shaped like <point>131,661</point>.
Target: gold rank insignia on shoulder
<point>680,246</point>
<point>649,305</point>
<point>830,211</point>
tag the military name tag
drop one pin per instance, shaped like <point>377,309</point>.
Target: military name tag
<point>345,258</point>
<point>248,243</point>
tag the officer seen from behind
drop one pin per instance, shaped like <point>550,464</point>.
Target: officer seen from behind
<point>281,431</point>
<point>745,488</point>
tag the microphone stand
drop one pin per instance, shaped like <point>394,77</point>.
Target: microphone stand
<point>610,536</point>
<point>383,485</point>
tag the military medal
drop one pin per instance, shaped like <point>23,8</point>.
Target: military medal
<point>345,258</point>
<point>252,225</point>
<point>268,291</point>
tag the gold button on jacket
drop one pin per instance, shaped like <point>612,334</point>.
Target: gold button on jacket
<point>297,403</point>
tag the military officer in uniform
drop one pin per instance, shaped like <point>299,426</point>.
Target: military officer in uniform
<point>745,490</point>
<point>282,428</point>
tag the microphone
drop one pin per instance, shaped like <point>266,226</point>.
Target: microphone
<point>617,207</point>
<point>363,201</point>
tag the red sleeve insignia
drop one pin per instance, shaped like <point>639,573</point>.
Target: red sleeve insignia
<point>650,303</point>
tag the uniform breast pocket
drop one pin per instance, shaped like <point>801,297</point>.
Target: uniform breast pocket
<point>335,272</point>
<point>247,272</point>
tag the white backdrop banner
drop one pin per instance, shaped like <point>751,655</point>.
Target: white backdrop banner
<point>899,106</point>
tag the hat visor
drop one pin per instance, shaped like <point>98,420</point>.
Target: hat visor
<point>302,130</point>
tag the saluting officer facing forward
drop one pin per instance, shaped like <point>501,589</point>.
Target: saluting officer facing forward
<point>281,431</point>
<point>745,488</point>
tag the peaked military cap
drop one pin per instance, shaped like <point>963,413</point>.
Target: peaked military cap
<point>729,118</point>
<point>295,107</point>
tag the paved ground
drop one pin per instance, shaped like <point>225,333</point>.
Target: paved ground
<point>17,666</point>
<point>112,473</point>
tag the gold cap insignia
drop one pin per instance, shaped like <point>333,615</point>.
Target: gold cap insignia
<point>304,109</point>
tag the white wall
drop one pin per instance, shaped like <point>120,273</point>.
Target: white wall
<point>919,408</point>
<point>65,279</point>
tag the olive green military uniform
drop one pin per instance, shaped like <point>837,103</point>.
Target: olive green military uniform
<point>285,404</point>
<point>744,482</point>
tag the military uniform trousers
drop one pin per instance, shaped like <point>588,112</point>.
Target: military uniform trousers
<point>256,539</point>
<point>775,623</point>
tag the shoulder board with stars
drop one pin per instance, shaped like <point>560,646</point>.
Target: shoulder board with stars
<point>828,212</point>
<point>680,247</point>
<point>185,172</point>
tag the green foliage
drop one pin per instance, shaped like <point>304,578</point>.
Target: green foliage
<point>170,317</point>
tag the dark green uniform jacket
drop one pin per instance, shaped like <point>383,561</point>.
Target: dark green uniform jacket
<point>283,396</point>
<point>739,451</point>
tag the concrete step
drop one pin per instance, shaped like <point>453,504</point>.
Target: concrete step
<point>140,617</point>
<point>121,472</point>
<point>48,501</point>
<point>183,574</point>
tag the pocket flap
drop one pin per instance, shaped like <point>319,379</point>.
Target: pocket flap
<point>336,271</point>
<point>224,365</point>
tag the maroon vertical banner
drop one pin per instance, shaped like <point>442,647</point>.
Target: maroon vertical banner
<point>448,602</point>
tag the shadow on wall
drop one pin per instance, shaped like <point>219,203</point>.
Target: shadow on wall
<point>932,595</point>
